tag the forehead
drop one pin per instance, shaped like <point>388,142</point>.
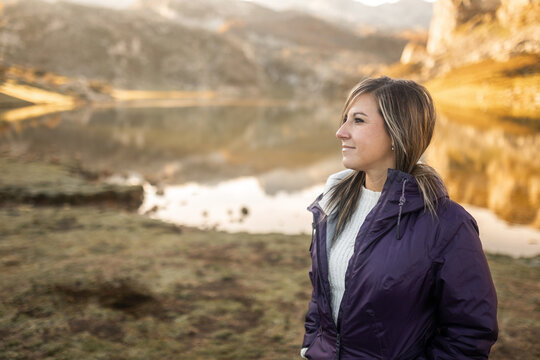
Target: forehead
<point>366,103</point>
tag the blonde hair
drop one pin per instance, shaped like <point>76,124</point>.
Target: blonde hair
<point>409,119</point>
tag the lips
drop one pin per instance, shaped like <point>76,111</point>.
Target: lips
<point>346,147</point>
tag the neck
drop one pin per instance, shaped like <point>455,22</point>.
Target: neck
<point>375,180</point>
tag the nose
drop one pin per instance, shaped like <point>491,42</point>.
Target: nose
<point>342,132</point>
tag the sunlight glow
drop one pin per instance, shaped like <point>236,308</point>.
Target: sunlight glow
<point>377,2</point>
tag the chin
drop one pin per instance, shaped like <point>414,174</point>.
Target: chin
<point>349,166</point>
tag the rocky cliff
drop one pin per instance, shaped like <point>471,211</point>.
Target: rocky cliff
<point>481,55</point>
<point>464,32</point>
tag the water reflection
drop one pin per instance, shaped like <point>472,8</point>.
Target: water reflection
<point>234,205</point>
<point>176,145</point>
<point>490,168</point>
<point>287,148</point>
<point>242,204</point>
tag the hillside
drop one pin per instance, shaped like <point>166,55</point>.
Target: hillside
<point>237,47</point>
<point>128,49</point>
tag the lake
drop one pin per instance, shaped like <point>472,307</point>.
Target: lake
<point>256,167</point>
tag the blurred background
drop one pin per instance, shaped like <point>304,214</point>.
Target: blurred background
<point>157,158</point>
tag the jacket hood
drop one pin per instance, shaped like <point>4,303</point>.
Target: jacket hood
<point>400,195</point>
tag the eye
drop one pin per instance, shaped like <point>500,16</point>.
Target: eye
<point>358,120</point>
<point>344,119</point>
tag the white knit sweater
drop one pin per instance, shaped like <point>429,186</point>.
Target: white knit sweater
<point>342,249</point>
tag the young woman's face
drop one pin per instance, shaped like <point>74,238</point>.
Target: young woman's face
<point>366,145</point>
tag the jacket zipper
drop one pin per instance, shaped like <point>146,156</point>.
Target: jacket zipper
<point>338,325</point>
<point>338,346</point>
<point>338,339</point>
<point>312,236</point>
<point>319,268</point>
<point>321,279</point>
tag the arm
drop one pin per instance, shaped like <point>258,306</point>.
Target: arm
<point>465,297</point>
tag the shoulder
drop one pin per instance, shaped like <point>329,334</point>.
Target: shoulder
<point>453,216</point>
<point>457,228</point>
<point>336,178</point>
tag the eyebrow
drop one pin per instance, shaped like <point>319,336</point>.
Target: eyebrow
<point>360,113</point>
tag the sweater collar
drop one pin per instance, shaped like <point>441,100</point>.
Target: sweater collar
<point>399,191</point>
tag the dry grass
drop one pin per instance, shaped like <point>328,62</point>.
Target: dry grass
<point>85,283</point>
<point>90,283</point>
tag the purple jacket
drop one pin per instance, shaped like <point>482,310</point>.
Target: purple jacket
<point>416,287</point>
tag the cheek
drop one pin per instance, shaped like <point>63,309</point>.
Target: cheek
<point>377,139</point>
<point>385,141</point>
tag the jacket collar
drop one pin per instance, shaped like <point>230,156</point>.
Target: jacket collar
<point>402,189</point>
<point>403,196</point>
<point>400,195</point>
<point>324,202</point>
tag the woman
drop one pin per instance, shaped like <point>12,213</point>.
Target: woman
<point>398,271</point>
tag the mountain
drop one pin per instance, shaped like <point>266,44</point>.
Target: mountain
<point>128,49</point>
<point>230,46</point>
<point>355,15</point>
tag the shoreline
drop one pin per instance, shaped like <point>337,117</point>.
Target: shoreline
<point>42,184</point>
<point>35,102</point>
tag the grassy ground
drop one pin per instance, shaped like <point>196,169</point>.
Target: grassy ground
<point>83,283</point>
<point>96,283</point>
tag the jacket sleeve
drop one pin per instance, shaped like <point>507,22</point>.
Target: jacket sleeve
<point>465,298</point>
<point>312,316</point>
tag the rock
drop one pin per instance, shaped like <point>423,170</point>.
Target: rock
<point>244,211</point>
<point>523,12</point>
<point>413,53</point>
<point>448,15</point>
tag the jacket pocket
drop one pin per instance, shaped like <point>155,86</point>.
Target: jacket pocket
<point>418,350</point>
<point>310,347</point>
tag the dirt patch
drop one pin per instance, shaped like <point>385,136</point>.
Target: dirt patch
<point>123,295</point>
